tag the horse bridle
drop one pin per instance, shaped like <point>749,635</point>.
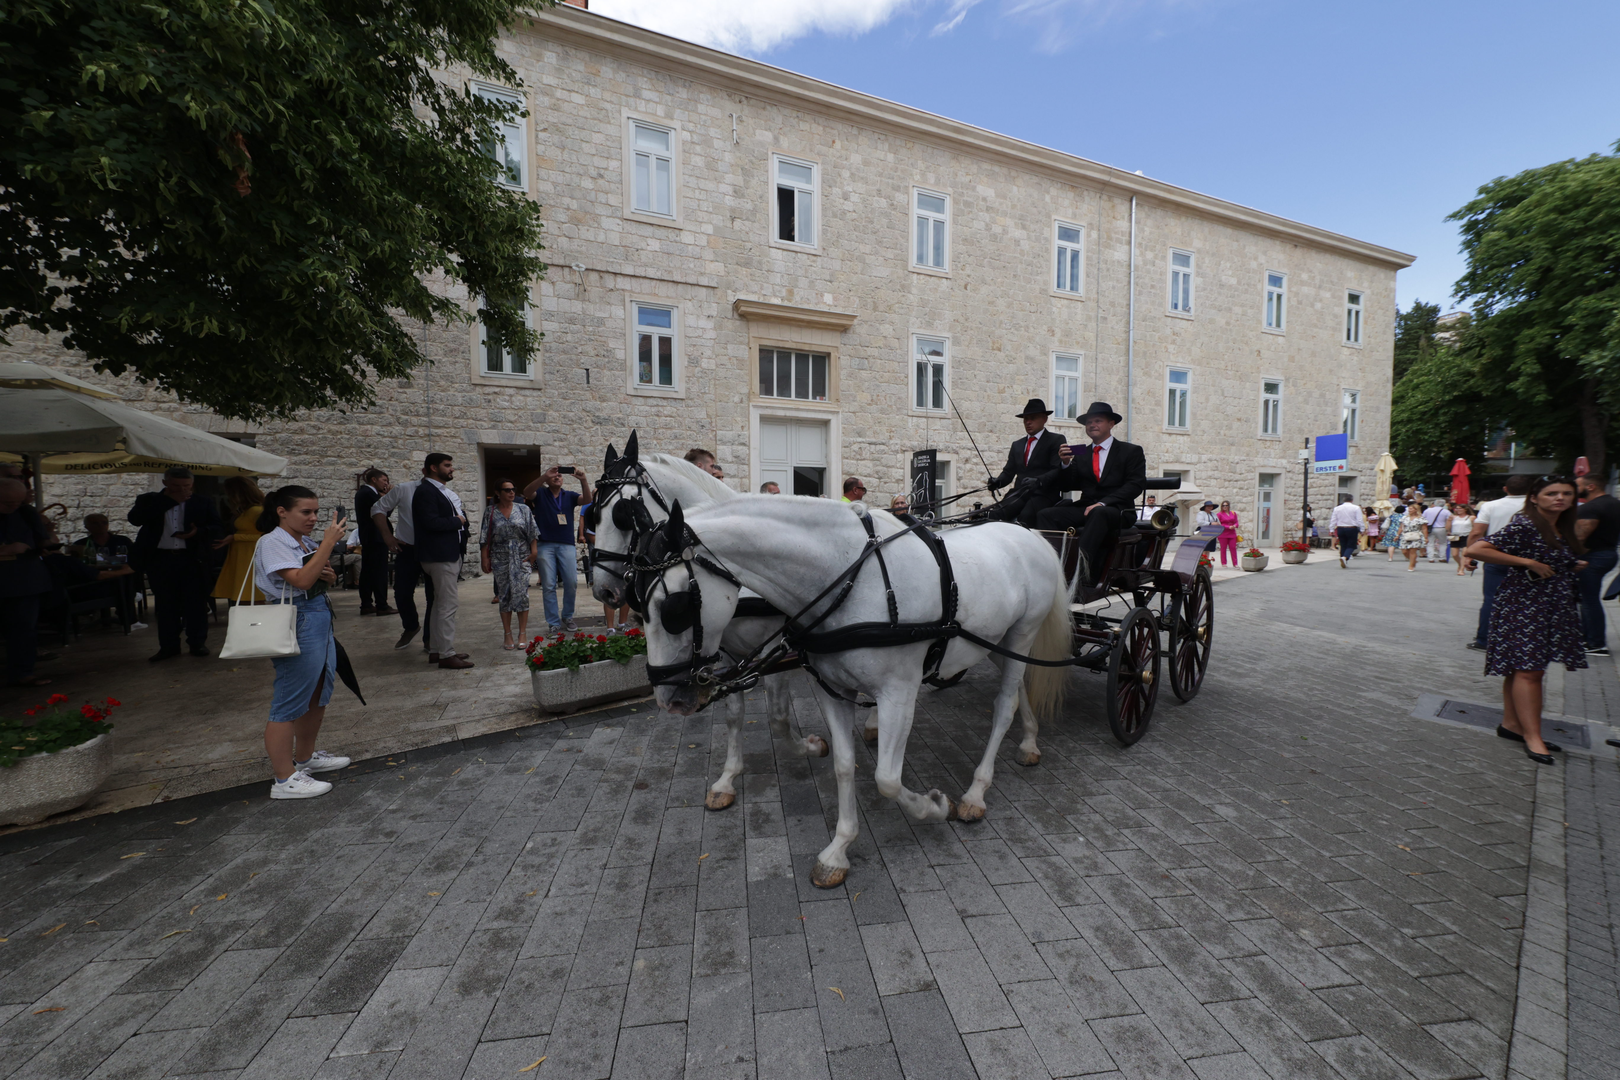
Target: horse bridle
<point>681,611</point>
<point>630,515</point>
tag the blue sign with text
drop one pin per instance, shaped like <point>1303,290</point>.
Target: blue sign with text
<point>1332,454</point>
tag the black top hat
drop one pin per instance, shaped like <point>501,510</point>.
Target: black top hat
<point>1034,407</point>
<point>1101,408</point>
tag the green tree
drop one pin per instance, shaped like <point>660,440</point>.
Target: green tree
<point>1414,335</point>
<point>239,201</point>
<point>1445,407</point>
<point>1543,252</point>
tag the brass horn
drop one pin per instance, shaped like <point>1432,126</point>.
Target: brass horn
<point>1163,519</point>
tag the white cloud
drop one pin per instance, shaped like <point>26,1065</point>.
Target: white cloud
<point>750,26</point>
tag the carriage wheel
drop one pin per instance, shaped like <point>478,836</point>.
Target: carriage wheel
<point>1133,676</point>
<point>1190,640</point>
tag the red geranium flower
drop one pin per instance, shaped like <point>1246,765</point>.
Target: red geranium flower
<point>114,702</point>
<point>600,640</point>
<point>56,699</point>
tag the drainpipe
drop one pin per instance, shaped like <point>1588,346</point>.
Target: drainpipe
<point>1130,331</point>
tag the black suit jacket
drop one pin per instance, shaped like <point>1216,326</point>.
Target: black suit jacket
<point>1043,462</point>
<point>149,513</point>
<point>364,498</point>
<point>438,531</point>
<point>1124,477</point>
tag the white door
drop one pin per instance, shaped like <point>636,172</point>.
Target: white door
<point>1266,508</point>
<point>793,454</point>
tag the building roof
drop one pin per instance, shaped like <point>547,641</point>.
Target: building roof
<point>588,30</point>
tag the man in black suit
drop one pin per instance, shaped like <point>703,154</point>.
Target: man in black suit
<point>1031,462</point>
<point>177,531</point>
<point>373,549</point>
<point>441,537</point>
<point>1109,475</point>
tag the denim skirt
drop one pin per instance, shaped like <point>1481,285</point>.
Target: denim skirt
<point>297,676</point>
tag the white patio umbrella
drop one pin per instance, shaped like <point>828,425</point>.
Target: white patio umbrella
<point>1384,475</point>
<point>72,432</point>
<point>27,375</point>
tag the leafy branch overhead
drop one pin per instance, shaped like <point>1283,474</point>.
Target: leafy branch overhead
<point>239,201</point>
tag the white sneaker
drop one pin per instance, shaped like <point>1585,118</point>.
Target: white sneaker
<point>137,626</point>
<point>299,785</point>
<point>321,761</point>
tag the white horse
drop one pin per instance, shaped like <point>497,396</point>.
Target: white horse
<point>788,549</point>
<point>680,480</point>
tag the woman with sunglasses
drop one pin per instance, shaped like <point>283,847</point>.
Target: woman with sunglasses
<point>1534,620</point>
<point>507,549</point>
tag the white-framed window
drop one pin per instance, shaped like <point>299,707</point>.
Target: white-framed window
<point>1271,406</point>
<point>497,360</point>
<point>1181,282</point>
<point>1066,385</point>
<point>931,218</point>
<point>930,369</point>
<point>1352,414</point>
<point>652,164</point>
<point>508,145</point>
<point>1069,243</point>
<point>1352,317</point>
<point>1276,299</point>
<point>1267,505</point>
<point>1177,392</point>
<point>796,198</point>
<point>789,373</point>
<point>655,362</point>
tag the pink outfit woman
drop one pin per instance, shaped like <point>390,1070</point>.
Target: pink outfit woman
<point>1228,537</point>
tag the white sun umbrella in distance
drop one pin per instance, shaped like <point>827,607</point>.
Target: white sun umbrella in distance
<point>72,433</point>
<point>27,375</point>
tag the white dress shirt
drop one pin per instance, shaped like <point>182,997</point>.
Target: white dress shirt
<point>399,498</point>
<point>455,500</point>
<point>174,521</point>
<point>1347,515</point>
<point>1100,452</point>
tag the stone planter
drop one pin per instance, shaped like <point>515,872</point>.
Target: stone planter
<point>1295,557</point>
<point>564,691</point>
<point>44,784</point>
<point>1255,562</point>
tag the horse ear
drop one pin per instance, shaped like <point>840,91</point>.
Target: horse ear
<point>675,527</point>
<point>610,458</point>
<point>631,448</point>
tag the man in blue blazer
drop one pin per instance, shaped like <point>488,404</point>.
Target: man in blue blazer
<point>441,532</point>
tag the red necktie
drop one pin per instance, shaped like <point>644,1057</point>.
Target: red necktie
<point>1029,447</point>
<point>1096,461</point>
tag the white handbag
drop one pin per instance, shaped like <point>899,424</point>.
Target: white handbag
<point>256,631</point>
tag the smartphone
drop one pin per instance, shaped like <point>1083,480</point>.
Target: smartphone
<point>343,512</point>
<point>566,470</point>
<point>1076,448</point>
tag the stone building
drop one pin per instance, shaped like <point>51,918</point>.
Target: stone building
<point>806,280</point>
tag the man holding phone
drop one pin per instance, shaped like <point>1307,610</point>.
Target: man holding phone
<point>554,516</point>
<point>177,529</point>
<point>1109,474</point>
<point>1031,460</point>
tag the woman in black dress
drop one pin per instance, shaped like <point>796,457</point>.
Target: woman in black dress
<point>1534,621</point>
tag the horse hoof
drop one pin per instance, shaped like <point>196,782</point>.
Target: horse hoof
<point>870,735</point>
<point>966,811</point>
<point>1031,758</point>
<point>719,800</point>
<point>952,807</point>
<point>815,746</point>
<point>827,877</point>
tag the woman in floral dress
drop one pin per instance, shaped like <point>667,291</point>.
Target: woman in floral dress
<point>507,550</point>
<point>1534,619</point>
<point>1392,531</point>
<point>1414,535</point>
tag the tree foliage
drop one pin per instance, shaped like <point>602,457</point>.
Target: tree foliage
<point>1414,335</point>
<point>1543,251</point>
<point>1444,407</point>
<point>237,200</point>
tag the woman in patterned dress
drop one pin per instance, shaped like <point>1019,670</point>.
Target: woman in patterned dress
<point>1414,535</point>
<point>1534,619</point>
<point>507,550</point>
<point>1392,531</point>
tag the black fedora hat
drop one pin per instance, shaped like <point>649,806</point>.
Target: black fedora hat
<point>1034,407</point>
<point>1100,408</point>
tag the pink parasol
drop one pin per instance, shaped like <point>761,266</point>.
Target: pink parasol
<point>1459,481</point>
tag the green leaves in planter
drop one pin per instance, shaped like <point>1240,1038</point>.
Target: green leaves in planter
<point>47,728</point>
<point>562,651</point>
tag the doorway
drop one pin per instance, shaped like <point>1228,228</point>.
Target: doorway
<point>1266,508</point>
<point>519,464</point>
<point>793,455</point>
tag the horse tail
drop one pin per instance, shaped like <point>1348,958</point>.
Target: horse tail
<point>1053,641</point>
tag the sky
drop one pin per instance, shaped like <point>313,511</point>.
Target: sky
<point>1374,119</point>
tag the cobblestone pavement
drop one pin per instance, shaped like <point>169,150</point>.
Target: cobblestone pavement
<point>1289,877</point>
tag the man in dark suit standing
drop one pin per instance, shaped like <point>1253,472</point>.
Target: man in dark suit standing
<point>1109,474</point>
<point>1031,461</point>
<point>373,550</point>
<point>441,537</point>
<point>177,531</point>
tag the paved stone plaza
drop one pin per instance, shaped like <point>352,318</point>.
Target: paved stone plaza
<point>1292,876</point>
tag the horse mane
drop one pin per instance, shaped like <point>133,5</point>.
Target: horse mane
<point>715,489</point>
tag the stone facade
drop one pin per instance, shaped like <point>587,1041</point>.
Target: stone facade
<point>855,297</point>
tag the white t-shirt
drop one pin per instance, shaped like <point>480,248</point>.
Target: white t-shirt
<point>399,498</point>
<point>278,550</point>
<point>1498,512</point>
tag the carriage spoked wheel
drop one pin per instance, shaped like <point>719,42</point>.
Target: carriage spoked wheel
<point>1133,676</point>
<point>1192,631</point>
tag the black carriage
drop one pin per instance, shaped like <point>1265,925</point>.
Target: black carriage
<point>1151,616</point>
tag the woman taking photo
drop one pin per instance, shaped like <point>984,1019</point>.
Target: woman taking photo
<point>1534,621</point>
<point>1414,535</point>
<point>289,567</point>
<point>1228,521</point>
<point>508,549</point>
